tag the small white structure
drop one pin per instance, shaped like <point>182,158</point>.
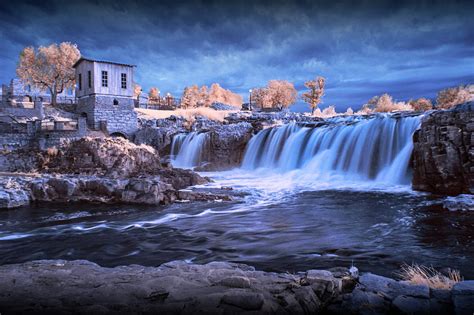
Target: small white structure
<point>104,93</point>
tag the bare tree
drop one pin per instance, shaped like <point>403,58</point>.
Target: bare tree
<point>315,92</point>
<point>49,68</point>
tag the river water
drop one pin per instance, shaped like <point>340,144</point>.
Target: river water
<point>316,198</point>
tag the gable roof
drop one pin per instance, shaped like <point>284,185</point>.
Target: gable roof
<point>101,61</point>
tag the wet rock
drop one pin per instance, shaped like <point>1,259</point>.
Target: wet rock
<point>226,146</point>
<point>463,297</point>
<point>443,159</point>
<point>13,198</point>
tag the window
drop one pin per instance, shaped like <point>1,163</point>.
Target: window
<point>124,80</point>
<point>79,79</point>
<point>89,78</point>
<point>115,102</point>
<point>105,79</point>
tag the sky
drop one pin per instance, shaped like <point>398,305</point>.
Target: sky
<point>408,49</point>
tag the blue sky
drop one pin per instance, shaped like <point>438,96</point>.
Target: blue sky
<point>363,48</point>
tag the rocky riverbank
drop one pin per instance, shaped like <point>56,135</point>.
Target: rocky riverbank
<point>58,286</point>
<point>107,170</point>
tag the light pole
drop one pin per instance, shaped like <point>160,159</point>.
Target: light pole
<point>168,97</point>
<point>250,99</point>
<point>159,99</point>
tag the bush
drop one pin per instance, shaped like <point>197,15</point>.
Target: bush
<point>421,104</point>
<point>451,97</point>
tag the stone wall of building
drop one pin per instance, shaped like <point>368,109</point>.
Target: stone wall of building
<point>102,113</point>
<point>20,111</point>
<point>35,137</point>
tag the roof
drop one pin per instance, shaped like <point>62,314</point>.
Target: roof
<point>101,61</point>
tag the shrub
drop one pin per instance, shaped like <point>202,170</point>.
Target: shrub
<point>451,97</point>
<point>421,104</point>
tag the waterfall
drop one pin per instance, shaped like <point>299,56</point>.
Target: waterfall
<point>187,149</point>
<point>355,148</point>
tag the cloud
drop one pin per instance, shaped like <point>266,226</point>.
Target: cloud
<point>363,48</point>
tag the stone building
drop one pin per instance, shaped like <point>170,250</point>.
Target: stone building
<point>17,93</point>
<point>104,93</point>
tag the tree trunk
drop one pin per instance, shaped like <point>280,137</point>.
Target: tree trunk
<point>54,96</point>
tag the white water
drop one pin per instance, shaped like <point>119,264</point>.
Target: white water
<point>376,150</point>
<point>187,149</point>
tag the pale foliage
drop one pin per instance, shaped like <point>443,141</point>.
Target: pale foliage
<point>137,90</point>
<point>421,104</point>
<point>451,97</point>
<point>153,94</point>
<point>218,94</point>
<point>188,114</point>
<point>315,92</point>
<point>421,275</point>
<point>277,94</point>
<point>349,111</point>
<point>194,96</point>
<point>49,68</point>
<point>384,104</point>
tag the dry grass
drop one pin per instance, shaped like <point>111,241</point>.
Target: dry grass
<point>421,275</point>
<point>52,151</point>
<point>188,114</point>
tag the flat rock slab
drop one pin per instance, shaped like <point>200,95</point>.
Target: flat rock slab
<point>58,286</point>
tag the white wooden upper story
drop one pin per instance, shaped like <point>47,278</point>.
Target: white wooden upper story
<point>103,78</point>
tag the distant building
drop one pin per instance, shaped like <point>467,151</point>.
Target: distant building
<point>18,92</point>
<point>104,93</point>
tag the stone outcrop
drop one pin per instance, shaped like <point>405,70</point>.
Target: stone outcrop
<point>164,188</point>
<point>443,154</point>
<point>175,287</point>
<point>105,156</point>
<point>226,146</point>
<point>80,287</point>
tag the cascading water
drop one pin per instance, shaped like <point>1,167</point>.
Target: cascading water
<point>365,149</point>
<point>187,149</point>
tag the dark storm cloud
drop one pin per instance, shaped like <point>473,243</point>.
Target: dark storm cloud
<point>408,49</point>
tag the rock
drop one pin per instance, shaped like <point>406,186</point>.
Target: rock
<point>235,282</point>
<point>391,288</point>
<point>113,157</point>
<point>463,297</point>
<point>443,159</point>
<point>411,305</point>
<point>226,146</point>
<point>159,138</point>
<point>13,198</point>
<point>60,286</point>
<point>244,300</point>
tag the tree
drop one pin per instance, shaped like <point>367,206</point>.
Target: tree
<point>384,104</point>
<point>217,94</point>
<point>137,90</point>
<point>421,104</point>
<point>451,97</point>
<point>153,94</point>
<point>277,94</point>
<point>315,92</point>
<point>190,97</point>
<point>49,68</point>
